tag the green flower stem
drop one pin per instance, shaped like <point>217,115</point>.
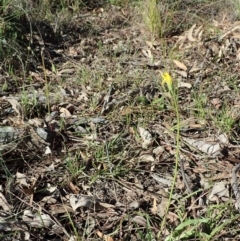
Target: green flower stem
<point>174,95</point>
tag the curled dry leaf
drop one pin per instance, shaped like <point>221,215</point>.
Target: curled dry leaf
<point>158,151</point>
<point>134,205</point>
<point>180,65</point>
<point>60,208</point>
<point>182,73</point>
<point>15,105</point>
<point>104,237</point>
<point>21,179</point>
<point>223,138</point>
<point>162,207</point>
<point>184,85</point>
<point>106,205</point>
<point>199,32</point>
<point>37,220</point>
<point>140,220</point>
<point>211,148</point>
<point>172,217</point>
<point>162,180</point>
<point>47,151</point>
<point>146,158</point>
<point>77,201</point>
<point>64,113</point>
<point>219,190</point>
<point>190,34</point>
<point>195,69</point>
<point>66,71</point>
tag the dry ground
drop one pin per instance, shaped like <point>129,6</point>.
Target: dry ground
<point>88,133</point>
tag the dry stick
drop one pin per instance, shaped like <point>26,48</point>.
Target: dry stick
<point>187,185</point>
<point>184,177</point>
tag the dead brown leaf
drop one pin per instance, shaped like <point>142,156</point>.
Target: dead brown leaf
<point>180,65</point>
<point>190,34</point>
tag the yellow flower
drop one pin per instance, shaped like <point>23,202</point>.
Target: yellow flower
<point>167,79</point>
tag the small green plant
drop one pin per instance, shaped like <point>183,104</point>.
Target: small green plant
<point>187,229</point>
<point>74,166</point>
<point>199,105</point>
<point>158,16</point>
<point>28,103</point>
<point>224,119</point>
<point>152,17</point>
<point>204,228</point>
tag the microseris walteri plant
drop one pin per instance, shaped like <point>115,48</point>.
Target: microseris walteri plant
<point>171,87</point>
